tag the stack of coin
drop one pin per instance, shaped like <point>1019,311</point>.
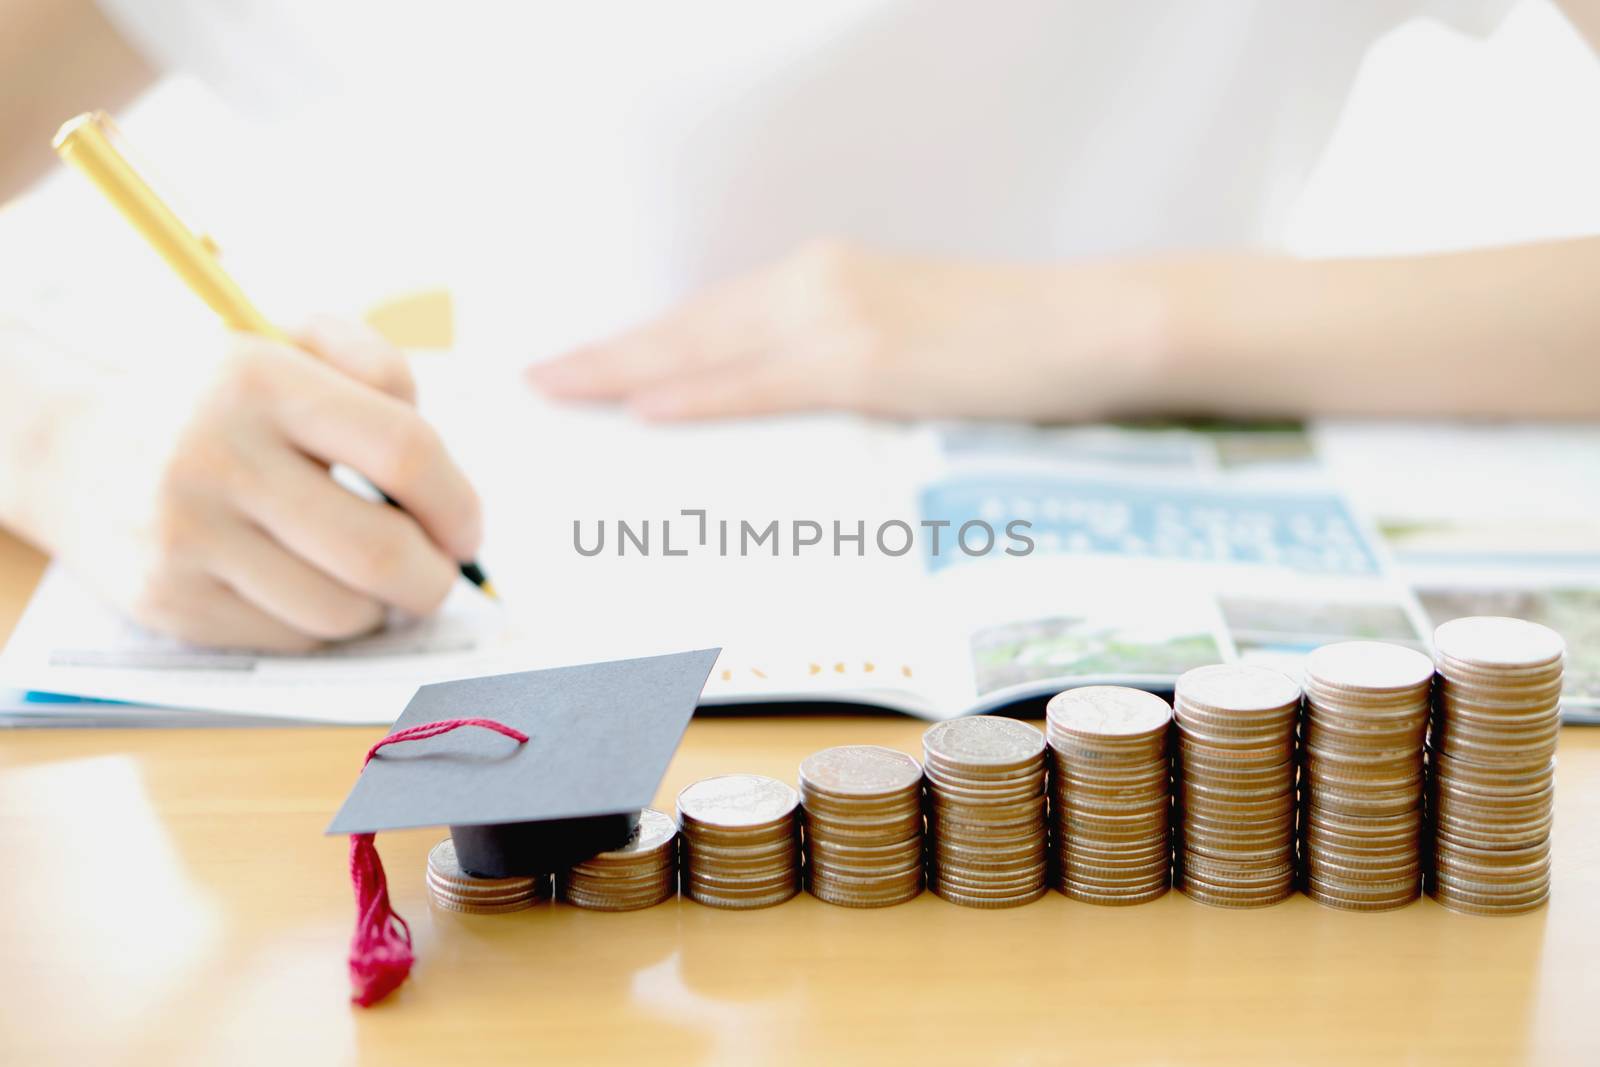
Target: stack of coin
<point>1366,715</point>
<point>1110,794</point>
<point>986,819</point>
<point>741,841</point>
<point>1234,783</point>
<point>862,810</point>
<point>1497,711</point>
<point>453,889</point>
<point>640,874</point>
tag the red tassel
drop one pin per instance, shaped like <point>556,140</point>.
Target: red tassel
<point>380,951</point>
<point>380,948</point>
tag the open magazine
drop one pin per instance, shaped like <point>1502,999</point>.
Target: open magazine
<point>837,559</point>
<point>1161,548</point>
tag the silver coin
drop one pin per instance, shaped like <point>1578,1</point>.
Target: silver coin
<point>442,862</point>
<point>1121,897</point>
<point>655,832</point>
<point>845,899</point>
<point>1495,642</point>
<point>1108,711</point>
<point>1225,689</point>
<point>984,741</point>
<point>737,800</point>
<point>742,903</point>
<point>864,771</point>
<point>471,908</point>
<point>1369,667</point>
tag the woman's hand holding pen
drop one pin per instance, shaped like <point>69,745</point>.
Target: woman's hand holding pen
<point>210,514</point>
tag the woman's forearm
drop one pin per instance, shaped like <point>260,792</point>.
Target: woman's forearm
<point>1511,331</point>
<point>57,58</point>
<point>1502,332</point>
<point>42,389</point>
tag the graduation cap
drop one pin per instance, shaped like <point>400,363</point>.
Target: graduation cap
<point>532,772</point>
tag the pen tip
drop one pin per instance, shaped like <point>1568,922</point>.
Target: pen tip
<point>488,589</point>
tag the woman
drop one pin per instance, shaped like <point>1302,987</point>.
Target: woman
<point>1031,210</point>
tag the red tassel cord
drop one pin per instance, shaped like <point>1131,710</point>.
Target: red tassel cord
<point>380,949</point>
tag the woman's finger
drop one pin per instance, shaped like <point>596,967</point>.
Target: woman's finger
<point>337,419</point>
<point>288,588</point>
<point>761,387</point>
<point>719,328</point>
<point>361,352</point>
<point>367,546</point>
<point>203,610</point>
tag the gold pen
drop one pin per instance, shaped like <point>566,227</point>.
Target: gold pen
<point>89,142</point>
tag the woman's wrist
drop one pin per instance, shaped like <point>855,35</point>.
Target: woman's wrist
<point>1097,339</point>
<point>1230,337</point>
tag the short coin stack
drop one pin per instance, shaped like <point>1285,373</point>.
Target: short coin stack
<point>741,841</point>
<point>640,874</point>
<point>453,889</point>
<point>862,810</point>
<point>1234,780</point>
<point>1110,796</point>
<point>1366,715</point>
<point>986,820</point>
<point>1497,711</point>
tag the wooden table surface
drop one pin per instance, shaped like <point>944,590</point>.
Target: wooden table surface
<point>167,896</point>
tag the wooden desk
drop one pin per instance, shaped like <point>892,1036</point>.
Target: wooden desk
<point>168,897</point>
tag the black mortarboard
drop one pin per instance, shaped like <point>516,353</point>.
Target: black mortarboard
<point>598,738</point>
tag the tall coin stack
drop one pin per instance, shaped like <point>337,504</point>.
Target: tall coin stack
<point>1366,715</point>
<point>1234,780</point>
<point>640,874</point>
<point>861,806</point>
<point>986,819</point>
<point>453,889</point>
<point>741,841</point>
<point>1110,794</point>
<point>1497,712</point>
